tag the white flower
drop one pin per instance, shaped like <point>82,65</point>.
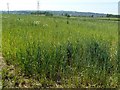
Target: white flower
<point>36,22</point>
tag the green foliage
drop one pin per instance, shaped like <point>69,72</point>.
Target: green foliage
<point>113,16</point>
<point>67,15</point>
<point>42,13</point>
<point>80,53</point>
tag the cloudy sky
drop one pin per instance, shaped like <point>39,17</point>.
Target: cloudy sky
<point>98,6</point>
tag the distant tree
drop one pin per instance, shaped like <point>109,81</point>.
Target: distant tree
<point>62,14</point>
<point>109,15</point>
<point>42,13</point>
<point>113,16</point>
<point>37,12</point>
<point>67,15</point>
<point>92,15</point>
<point>48,14</point>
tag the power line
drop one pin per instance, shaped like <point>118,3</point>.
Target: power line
<point>38,5</point>
<point>8,7</point>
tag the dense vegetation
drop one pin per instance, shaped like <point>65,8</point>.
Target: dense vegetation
<point>70,52</point>
<point>0,31</point>
<point>42,13</point>
<point>113,16</point>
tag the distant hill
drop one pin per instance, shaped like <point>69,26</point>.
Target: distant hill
<point>74,13</point>
<point>71,13</point>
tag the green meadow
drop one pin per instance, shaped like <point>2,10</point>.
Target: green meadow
<point>74,52</point>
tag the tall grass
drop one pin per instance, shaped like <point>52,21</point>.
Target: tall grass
<point>0,32</point>
<point>82,53</point>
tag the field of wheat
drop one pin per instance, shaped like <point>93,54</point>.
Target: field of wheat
<point>70,52</point>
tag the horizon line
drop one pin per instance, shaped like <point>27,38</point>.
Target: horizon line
<point>59,10</point>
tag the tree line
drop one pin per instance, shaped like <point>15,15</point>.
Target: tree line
<point>114,16</point>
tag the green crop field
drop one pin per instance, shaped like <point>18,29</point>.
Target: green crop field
<point>60,52</point>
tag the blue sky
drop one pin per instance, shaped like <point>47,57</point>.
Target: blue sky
<point>102,6</point>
